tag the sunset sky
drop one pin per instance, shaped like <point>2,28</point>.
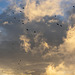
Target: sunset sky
<point>37,37</point>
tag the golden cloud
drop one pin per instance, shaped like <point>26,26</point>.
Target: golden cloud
<point>48,7</point>
<point>52,21</point>
<point>26,45</point>
<point>60,69</point>
<point>6,71</point>
<point>69,41</point>
<point>6,22</point>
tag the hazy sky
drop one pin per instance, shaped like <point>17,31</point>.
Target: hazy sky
<point>39,39</point>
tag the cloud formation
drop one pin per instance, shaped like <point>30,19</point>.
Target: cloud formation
<point>60,69</point>
<point>69,41</point>
<point>51,44</point>
<point>35,10</point>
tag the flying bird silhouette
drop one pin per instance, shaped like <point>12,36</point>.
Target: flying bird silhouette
<point>13,12</point>
<point>23,7</point>
<point>34,31</point>
<point>22,23</point>
<point>27,29</point>
<point>20,60</point>
<point>14,17</point>
<point>55,15</point>
<point>57,24</point>
<point>73,6</point>
<point>20,11</point>
<point>61,25</point>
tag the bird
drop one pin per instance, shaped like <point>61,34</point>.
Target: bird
<point>14,17</point>
<point>13,12</point>
<point>55,15</point>
<point>34,31</point>
<point>20,60</point>
<point>73,6</point>
<point>23,7</point>
<point>61,25</point>
<point>27,29</point>
<point>22,23</point>
<point>57,24</point>
<point>20,11</point>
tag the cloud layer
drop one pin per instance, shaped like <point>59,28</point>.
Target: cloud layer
<point>25,51</point>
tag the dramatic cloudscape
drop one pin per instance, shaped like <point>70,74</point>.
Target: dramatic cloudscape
<point>37,37</point>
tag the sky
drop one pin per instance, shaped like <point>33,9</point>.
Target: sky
<point>37,37</point>
<point>3,5</point>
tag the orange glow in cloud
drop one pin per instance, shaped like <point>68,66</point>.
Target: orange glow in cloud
<point>61,69</point>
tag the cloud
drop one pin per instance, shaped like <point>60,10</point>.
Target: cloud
<point>34,10</point>
<point>50,44</point>
<point>6,22</point>
<point>4,71</point>
<point>69,41</point>
<point>60,69</point>
<point>50,21</point>
<point>26,45</point>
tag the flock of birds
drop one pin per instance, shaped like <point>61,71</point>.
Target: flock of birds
<point>28,20</point>
<point>35,31</point>
<point>26,30</point>
<point>22,20</point>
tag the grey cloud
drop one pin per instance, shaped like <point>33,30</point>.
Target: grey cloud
<point>48,34</point>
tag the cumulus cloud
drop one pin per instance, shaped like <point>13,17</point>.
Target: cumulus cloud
<point>50,44</point>
<point>60,69</point>
<point>69,41</point>
<point>34,11</point>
